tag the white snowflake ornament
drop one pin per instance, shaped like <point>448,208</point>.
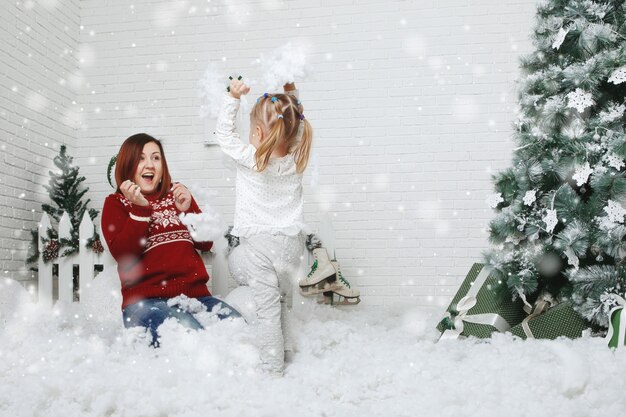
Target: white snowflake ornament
<point>618,76</point>
<point>614,161</point>
<point>580,100</point>
<point>615,212</point>
<point>494,199</point>
<point>581,175</point>
<point>530,197</point>
<point>550,220</point>
<point>559,38</point>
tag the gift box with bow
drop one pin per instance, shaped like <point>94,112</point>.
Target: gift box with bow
<point>549,320</point>
<point>479,308</point>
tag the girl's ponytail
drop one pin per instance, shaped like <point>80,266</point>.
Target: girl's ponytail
<point>303,148</point>
<point>264,152</point>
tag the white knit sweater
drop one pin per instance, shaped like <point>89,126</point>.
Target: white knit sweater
<point>266,202</point>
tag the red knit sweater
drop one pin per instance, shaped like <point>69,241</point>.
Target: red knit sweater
<point>155,254</point>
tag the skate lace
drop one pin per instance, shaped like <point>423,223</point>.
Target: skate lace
<point>313,269</point>
<point>342,279</point>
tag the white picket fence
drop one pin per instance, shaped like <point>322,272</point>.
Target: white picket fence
<point>86,260</point>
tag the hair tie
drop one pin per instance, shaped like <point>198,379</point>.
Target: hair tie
<point>274,99</point>
<point>280,116</point>
<point>301,117</point>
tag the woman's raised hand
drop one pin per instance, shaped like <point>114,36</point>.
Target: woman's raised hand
<point>238,88</point>
<point>132,192</point>
<point>182,197</point>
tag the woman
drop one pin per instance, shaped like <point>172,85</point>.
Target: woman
<point>156,256</point>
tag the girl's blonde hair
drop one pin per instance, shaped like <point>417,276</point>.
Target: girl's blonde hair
<point>282,117</point>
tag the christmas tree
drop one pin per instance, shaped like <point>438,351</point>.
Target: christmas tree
<point>559,225</point>
<point>65,192</point>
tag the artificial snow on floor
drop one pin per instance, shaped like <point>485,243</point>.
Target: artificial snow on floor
<point>78,360</point>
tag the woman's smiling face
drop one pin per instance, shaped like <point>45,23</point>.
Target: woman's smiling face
<point>150,169</point>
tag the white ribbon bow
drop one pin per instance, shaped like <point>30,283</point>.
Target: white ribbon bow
<point>621,305</point>
<point>466,303</point>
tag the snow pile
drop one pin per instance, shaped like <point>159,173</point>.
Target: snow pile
<point>357,361</point>
<point>283,65</point>
<point>102,298</point>
<point>12,295</point>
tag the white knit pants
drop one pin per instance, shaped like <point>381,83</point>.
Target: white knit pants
<point>268,264</point>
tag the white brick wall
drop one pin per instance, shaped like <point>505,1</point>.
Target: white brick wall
<point>411,102</point>
<point>38,43</point>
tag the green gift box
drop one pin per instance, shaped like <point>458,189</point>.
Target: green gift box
<point>560,320</point>
<point>478,308</point>
<point>616,337</point>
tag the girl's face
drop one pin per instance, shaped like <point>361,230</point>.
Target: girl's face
<point>150,169</point>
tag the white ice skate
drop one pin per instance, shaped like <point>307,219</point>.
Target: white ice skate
<point>322,274</point>
<point>341,288</point>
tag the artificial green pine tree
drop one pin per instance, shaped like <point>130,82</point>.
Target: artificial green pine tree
<point>65,192</point>
<point>559,225</point>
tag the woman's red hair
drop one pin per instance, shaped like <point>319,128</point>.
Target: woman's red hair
<point>128,160</point>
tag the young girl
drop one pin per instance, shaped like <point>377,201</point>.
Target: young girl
<point>268,208</point>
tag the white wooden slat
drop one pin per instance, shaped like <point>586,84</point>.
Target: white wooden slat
<point>85,255</point>
<point>66,287</point>
<point>45,269</point>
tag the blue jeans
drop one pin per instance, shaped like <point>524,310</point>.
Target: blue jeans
<point>152,312</point>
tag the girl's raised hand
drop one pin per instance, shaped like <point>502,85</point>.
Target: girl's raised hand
<point>182,197</point>
<point>238,88</point>
<point>132,192</point>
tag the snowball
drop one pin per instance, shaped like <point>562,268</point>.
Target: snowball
<point>204,227</point>
<point>284,65</point>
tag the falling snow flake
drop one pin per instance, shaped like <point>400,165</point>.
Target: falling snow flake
<point>580,100</point>
<point>559,38</point>
<point>550,220</point>
<point>530,197</point>
<point>494,199</point>
<point>618,76</point>
<point>581,175</point>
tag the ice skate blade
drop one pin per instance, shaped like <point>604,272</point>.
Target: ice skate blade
<point>343,301</point>
<point>347,301</point>
<point>319,288</point>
